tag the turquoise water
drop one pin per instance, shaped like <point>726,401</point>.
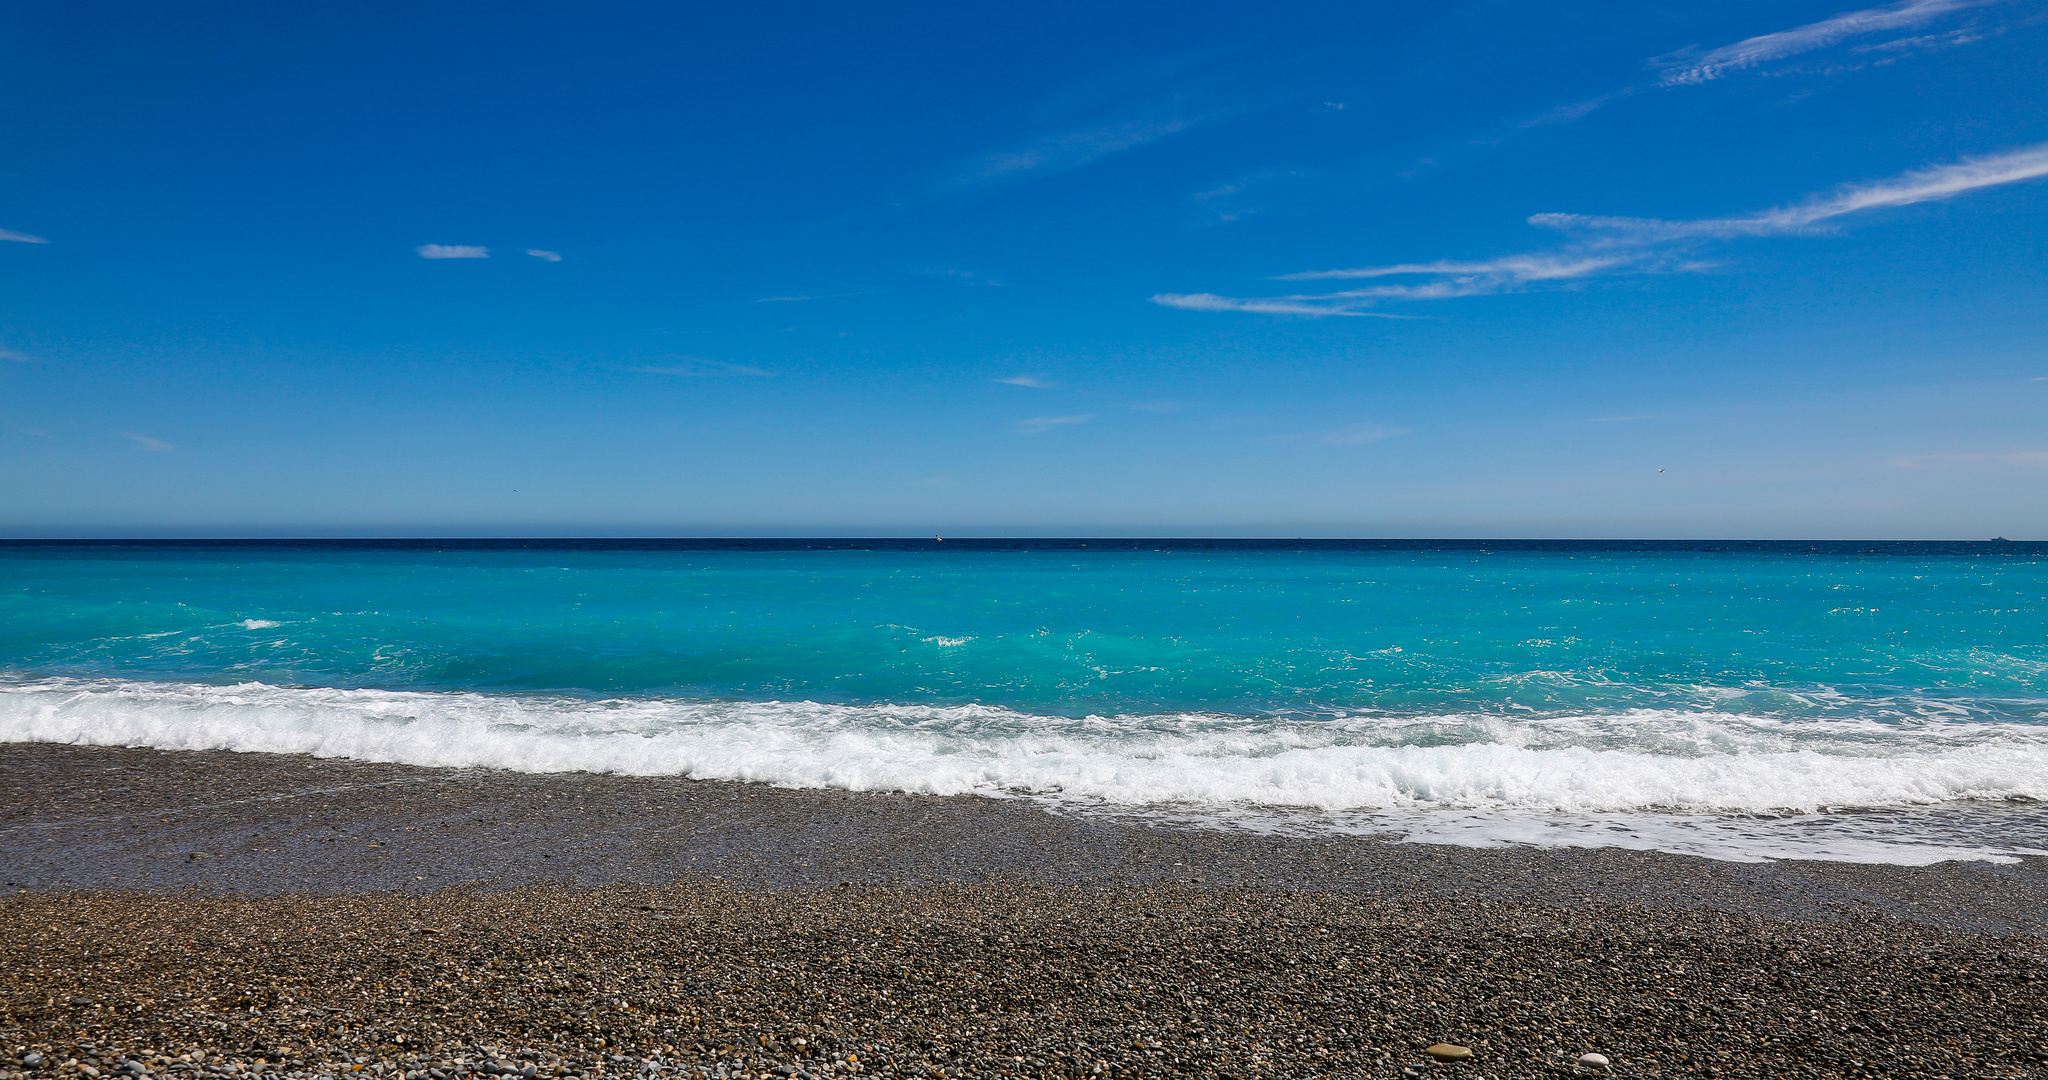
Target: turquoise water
<point>1731,699</point>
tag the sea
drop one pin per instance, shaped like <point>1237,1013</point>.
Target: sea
<point>1852,701</point>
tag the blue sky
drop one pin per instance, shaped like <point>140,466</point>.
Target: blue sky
<point>1471,269</point>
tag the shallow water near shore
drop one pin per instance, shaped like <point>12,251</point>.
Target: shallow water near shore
<point>1860,702</point>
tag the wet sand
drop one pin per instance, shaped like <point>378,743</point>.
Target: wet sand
<point>307,912</point>
<point>85,817</point>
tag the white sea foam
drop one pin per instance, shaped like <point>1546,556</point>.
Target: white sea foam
<point>1669,779</point>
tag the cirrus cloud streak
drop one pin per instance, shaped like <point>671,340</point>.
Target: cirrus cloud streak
<point>1607,245</point>
<point>154,446</point>
<point>452,251</point>
<point>1037,424</point>
<point>1765,48</point>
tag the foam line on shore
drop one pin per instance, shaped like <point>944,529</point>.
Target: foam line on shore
<point>1496,771</point>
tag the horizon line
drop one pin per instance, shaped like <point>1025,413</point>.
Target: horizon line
<point>975,538</point>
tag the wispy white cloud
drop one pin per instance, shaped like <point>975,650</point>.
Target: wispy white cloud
<point>21,237</point>
<point>1764,48</point>
<point>15,355</point>
<point>154,446</point>
<point>1449,279</point>
<point>693,368</point>
<point>1352,302</point>
<point>1692,67</point>
<point>1327,304</point>
<point>2035,459</point>
<point>1032,381</point>
<point>1565,114</point>
<point>1515,267</point>
<point>1069,150</point>
<point>452,251</point>
<point>1926,42</point>
<point>1618,245</point>
<point>1220,191</point>
<point>1920,185</point>
<point>1036,424</point>
<point>548,256</point>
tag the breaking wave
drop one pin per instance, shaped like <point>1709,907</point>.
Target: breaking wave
<point>1728,785</point>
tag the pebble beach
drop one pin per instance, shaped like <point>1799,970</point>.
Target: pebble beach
<point>994,980</point>
<point>230,915</point>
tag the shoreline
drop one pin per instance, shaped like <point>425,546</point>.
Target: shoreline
<point>292,918</point>
<point>227,822</point>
